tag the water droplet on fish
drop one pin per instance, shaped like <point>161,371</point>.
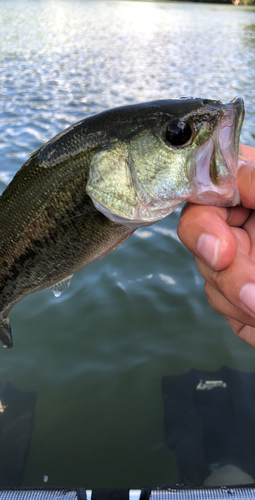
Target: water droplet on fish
<point>57,293</point>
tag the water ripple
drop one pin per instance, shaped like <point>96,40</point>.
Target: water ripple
<point>97,354</point>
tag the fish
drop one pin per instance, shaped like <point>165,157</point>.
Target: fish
<point>87,190</point>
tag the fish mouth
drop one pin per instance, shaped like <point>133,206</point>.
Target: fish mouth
<point>217,161</point>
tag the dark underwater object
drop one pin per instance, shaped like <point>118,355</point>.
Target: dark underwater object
<point>86,191</point>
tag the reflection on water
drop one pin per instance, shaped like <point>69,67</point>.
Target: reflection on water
<point>96,354</point>
<point>249,40</point>
<point>204,416</point>
<point>249,36</point>
<point>17,412</point>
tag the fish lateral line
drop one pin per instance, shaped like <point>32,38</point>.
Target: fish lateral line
<point>78,215</point>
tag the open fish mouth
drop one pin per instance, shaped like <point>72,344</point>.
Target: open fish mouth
<point>217,160</point>
<point>187,153</point>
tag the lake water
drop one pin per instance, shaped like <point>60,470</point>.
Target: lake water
<point>95,357</point>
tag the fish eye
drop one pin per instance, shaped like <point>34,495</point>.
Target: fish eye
<point>178,133</point>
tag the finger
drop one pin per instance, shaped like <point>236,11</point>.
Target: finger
<point>244,332</point>
<point>248,152</point>
<point>223,306</point>
<point>205,231</point>
<point>249,227</point>
<point>242,324</point>
<point>236,283</point>
<point>246,182</point>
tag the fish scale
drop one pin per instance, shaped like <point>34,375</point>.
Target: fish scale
<point>86,191</point>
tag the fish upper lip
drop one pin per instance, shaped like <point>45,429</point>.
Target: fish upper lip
<point>236,103</point>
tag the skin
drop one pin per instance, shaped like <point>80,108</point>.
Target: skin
<point>223,242</point>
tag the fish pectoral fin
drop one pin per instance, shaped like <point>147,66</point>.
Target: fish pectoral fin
<point>6,333</point>
<point>61,286</point>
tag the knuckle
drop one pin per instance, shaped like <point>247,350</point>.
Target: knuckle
<point>221,281</point>
<point>212,297</point>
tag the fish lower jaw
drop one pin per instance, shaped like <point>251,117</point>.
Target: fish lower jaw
<point>144,216</point>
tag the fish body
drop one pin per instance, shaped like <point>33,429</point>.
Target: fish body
<point>86,191</point>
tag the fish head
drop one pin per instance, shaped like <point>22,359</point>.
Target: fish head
<point>163,153</point>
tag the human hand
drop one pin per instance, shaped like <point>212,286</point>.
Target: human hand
<point>223,242</point>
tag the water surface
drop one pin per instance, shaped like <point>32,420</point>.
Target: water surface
<point>96,355</point>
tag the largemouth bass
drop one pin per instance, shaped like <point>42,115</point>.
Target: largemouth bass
<point>86,191</point>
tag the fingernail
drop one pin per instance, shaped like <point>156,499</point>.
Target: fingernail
<point>208,247</point>
<point>247,296</point>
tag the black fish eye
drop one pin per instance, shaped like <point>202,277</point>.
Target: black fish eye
<point>178,133</point>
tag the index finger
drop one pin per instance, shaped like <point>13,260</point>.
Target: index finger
<point>247,152</point>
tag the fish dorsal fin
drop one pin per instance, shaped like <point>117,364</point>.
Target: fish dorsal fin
<point>61,286</point>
